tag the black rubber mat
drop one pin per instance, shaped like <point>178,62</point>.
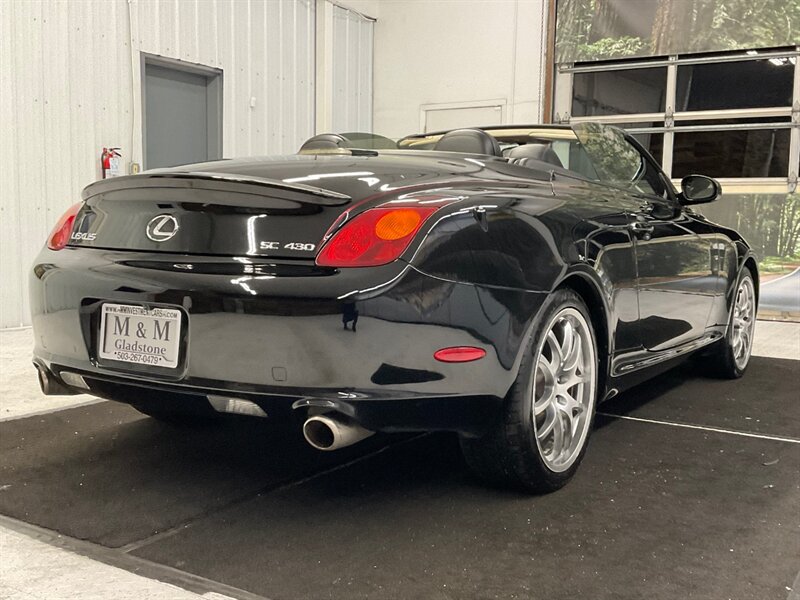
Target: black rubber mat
<point>766,400</point>
<point>107,474</point>
<point>655,511</point>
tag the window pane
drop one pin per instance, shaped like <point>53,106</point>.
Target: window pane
<point>574,157</point>
<point>744,84</point>
<point>653,142</point>
<point>619,92</point>
<point>751,153</point>
<point>769,223</point>
<point>616,160</point>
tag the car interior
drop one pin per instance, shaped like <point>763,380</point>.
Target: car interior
<point>517,146</point>
<point>528,147</point>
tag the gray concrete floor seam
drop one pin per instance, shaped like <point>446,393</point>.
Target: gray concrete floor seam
<point>763,402</point>
<point>697,426</point>
<point>135,564</point>
<point>107,474</point>
<point>179,528</point>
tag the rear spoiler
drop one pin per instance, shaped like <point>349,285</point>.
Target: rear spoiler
<point>212,181</point>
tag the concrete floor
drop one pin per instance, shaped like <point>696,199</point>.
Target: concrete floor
<point>35,570</point>
<point>20,395</point>
<point>198,508</point>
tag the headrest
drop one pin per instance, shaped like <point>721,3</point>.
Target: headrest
<point>469,141</point>
<point>537,151</point>
<point>324,141</point>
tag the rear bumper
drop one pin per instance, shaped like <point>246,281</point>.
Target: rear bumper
<point>470,415</point>
<point>275,334</point>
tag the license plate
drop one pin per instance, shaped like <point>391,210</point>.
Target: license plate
<point>144,336</point>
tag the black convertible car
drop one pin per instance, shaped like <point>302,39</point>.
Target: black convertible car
<point>496,282</point>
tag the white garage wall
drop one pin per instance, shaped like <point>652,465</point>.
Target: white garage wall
<point>352,71</point>
<point>70,85</point>
<point>453,54</point>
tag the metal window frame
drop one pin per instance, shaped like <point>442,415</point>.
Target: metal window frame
<point>626,118</point>
<point>721,127</point>
<point>794,142</point>
<point>602,66</point>
<point>562,106</point>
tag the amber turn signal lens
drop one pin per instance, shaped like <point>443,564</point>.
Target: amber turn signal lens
<point>397,224</point>
<point>375,237</point>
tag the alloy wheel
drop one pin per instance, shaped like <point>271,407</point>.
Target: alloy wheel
<point>563,389</point>
<point>743,322</point>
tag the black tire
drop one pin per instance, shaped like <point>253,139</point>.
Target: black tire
<point>721,359</point>
<point>509,455</point>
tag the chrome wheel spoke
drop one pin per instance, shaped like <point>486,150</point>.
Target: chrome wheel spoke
<point>574,379</point>
<point>548,369</point>
<point>542,404</point>
<point>563,389</point>
<point>546,377</point>
<point>555,347</point>
<point>568,341</point>
<point>548,425</point>
<point>572,406</point>
<point>573,356</point>
<point>558,431</point>
<point>743,322</point>
<point>745,338</point>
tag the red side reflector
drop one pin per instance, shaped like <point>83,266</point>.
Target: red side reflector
<point>459,354</point>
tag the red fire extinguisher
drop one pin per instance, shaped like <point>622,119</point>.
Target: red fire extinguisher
<point>110,160</point>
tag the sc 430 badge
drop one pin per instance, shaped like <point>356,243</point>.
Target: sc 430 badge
<point>302,247</point>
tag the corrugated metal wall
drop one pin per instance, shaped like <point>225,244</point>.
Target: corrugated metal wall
<point>70,85</point>
<point>352,71</point>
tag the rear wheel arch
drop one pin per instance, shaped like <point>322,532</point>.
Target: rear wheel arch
<point>750,263</point>
<point>590,293</point>
<point>589,290</point>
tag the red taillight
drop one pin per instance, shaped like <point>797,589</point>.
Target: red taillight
<point>375,237</point>
<point>458,354</point>
<point>59,237</point>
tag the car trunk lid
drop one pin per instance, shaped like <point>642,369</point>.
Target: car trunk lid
<point>207,213</point>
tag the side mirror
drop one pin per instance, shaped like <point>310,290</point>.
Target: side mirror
<point>699,189</point>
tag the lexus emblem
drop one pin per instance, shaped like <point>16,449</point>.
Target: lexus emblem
<point>162,228</point>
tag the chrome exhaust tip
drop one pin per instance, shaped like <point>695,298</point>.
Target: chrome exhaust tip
<point>50,385</point>
<point>327,433</point>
